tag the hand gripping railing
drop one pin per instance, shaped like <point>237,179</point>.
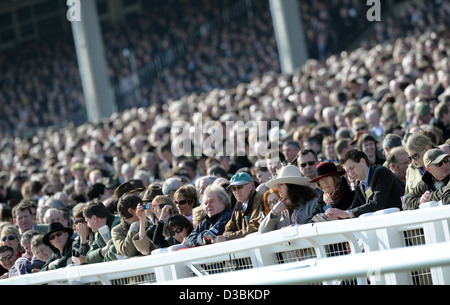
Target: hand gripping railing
<point>370,234</point>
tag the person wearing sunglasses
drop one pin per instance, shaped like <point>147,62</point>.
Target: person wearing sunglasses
<point>85,236</point>
<point>307,162</point>
<point>7,259</point>
<point>10,236</point>
<point>59,239</point>
<point>247,211</point>
<point>185,198</point>
<point>152,221</point>
<point>416,147</point>
<point>435,183</point>
<point>175,231</point>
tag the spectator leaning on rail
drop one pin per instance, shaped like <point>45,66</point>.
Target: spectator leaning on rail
<point>336,191</point>
<point>122,234</point>
<point>248,209</point>
<point>298,200</point>
<point>376,189</point>
<point>217,205</point>
<point>59,239</point>
<point>416,147</point>
<point>98,216</point>
<point>435,183</point>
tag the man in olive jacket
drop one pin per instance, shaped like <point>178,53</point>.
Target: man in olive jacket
<point>98,216</point>
<point>435,183</point>
<point>248,209</point>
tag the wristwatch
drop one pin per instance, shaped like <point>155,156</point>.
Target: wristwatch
<point>350,214</point>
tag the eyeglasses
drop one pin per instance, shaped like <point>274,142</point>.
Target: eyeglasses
<point>238,187</point>
<point>181,202</point>
<point>9,237</point>
<point>446,160</point>
<point>416,155</point>
<point>57,234</point>
<point>3,259</point>
<point>310,163</point>
<point>177,231</point>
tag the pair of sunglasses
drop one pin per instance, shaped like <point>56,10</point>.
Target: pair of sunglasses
<point>177,231</point>
<point>181,202</point>
<point>415,156</point>
<point>310,163</point>
<point>9,237</point>
<point>445,161</point>
<point>57,234</point>
<point>238,187</point>
<point>4,259</point>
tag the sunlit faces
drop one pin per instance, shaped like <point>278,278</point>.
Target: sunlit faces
<point>7,259</point>
<point>440,171</point>
<point>307,164</point>
<point>357,171</point>
<point>24,219</point>
<point>242,192</point>
<point>282,190</point>
<point>212,204</point>
<point>59,239</point>
<point>43,252</point>
<point>327,184</point>
<point>272,199</point>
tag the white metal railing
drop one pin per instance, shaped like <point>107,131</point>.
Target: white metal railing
<point>371,235</point>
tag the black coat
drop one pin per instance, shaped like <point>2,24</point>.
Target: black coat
<point>384,191</point>
<point>342,203</point>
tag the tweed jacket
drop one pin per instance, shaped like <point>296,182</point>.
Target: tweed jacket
<point>245,222</point>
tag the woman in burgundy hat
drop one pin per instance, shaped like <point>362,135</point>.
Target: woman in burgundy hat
<point>336,191</point>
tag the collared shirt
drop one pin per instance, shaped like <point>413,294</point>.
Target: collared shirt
<point>244,205</point>
<point>366,181</point>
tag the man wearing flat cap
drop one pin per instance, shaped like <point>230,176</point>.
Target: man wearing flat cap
<point>435,183</point>
<point>248,209</point>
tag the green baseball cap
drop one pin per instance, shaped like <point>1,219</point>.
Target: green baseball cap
<point>239,179</point>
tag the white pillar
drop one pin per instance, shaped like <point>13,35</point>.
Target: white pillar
<point>289,33</point>
<point>91,61</point>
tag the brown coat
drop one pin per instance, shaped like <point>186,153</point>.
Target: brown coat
<point>243,223</point>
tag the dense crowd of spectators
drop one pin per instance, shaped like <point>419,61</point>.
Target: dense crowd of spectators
<point>401,86</point>
<point>40,85</point>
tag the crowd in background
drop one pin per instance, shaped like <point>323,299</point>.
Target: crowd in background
<point>400,87</point>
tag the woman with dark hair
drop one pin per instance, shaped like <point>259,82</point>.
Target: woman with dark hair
<point>173,232</point>
<point>297,200</point>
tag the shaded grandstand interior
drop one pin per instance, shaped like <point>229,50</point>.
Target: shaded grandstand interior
<point>194,48</point>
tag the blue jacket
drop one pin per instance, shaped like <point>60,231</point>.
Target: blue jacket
<point>217,221</point>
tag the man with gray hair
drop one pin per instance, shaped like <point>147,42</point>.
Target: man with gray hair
<point>170,186</point>
<point>390,141</point>
<point>398,161</point>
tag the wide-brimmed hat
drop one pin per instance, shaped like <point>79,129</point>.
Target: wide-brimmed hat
<point>326,169</point>
<point>434,156</point>
<point>54,227</point>
<point>130,186</point>
<point>151,192</point>
<point>289,174</point>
